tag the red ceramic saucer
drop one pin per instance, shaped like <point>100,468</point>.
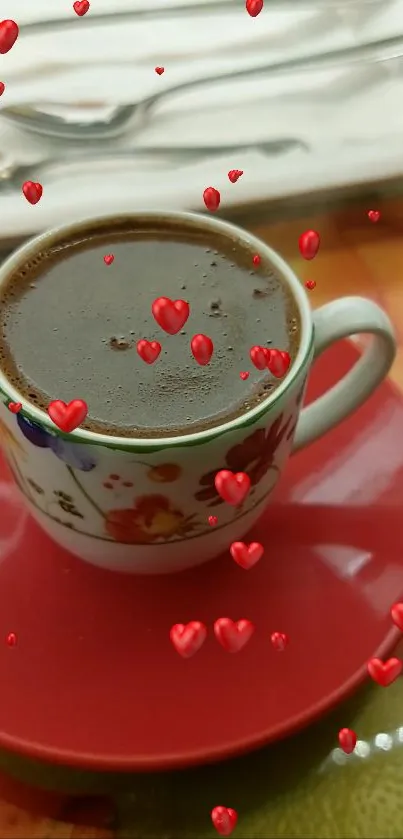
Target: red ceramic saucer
<point>93,680</point>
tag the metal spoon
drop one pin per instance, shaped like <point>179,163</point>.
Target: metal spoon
<point>33,119</point>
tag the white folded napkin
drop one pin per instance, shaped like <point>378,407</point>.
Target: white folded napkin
<point>345,120</point>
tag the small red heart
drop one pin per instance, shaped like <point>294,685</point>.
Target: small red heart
<point>32,191</point>
<point>109,258</point>
<point>14,407</point>
<point>69,416</point>
<point>374,215</point>
<point>278,362</point>
<point>188,638</point>
<point>234,175</point>
<point>202,349</point>
<point>81,7</point>
<point>246,555</point>
<point>11,639</point>
<point>8,35</point>
<point>397,615</point>
<point>309,244</point>
<point>232,487</point>
<point>211,198</point>
<point>310,285</point>
<point>259,357</point>
<point>224,820</point>
<point>347,740</point>
<point>2,88</point>
<point>256,259</point>
<point>244,375</point>
<point>148,350</point>
<point>279,641</point>
<point>254,7</point>
<point>159,70</point>
<point>384,673</point>
<point>233,635</point>
<point>212,520</point>
<point>170,315</point>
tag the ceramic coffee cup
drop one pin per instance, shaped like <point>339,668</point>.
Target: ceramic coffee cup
<point>143,505</point>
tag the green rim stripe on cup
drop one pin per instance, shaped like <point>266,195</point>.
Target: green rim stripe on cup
<point>171,443</point>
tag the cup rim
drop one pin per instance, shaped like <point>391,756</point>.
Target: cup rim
<point>208,223</point>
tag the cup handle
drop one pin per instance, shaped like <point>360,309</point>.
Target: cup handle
<point>339,319</point>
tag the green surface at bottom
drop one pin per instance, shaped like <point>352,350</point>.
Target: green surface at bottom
<point>295,788</point>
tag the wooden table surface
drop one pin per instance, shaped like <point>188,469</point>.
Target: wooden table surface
<point>289,797</point>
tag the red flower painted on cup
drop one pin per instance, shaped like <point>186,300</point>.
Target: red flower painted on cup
<point>165,473</point>
<point>152,518</point>
<point>255,456</point>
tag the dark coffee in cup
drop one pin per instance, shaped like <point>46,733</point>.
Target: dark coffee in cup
<point>70,324</point>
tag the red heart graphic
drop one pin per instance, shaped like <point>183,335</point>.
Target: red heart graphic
<point>11,639</point>
<point>347,740</point>
<point>2,88</point>
<point>374,215</point>
<point>384,673</point>
<point>234,175</point>
<point>159,70</point>
<point>279,641</point>
<point>256,259</point>
<point>109,258</point>
<point>233,635</point>
<point>202,349</point>
<point>259,357</point>
<point>211,198</point>
<point>232,487</point>
<point>170,315</point>
<point>254,7</point>
<point>244,375</point>
<point>148,350</point>
<point>278,362</point>
<point>212,520</point>
<point>224,820</point>
<point>397,615</point>
<point>309,244</point>
<point>246,555</point>
<point>8,35</point>
<point>81,7</point>
<point>187,638</point>
<point>32,191</point>
<point>310,285</point>
<point>69,416</point>
<point>14,407</point>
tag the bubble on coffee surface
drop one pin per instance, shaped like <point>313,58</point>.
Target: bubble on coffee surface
<point>119,344</point>
<point>293,325</point>
<point>260,293</point>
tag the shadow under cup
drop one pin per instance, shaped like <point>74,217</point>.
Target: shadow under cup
<point>145,505</point>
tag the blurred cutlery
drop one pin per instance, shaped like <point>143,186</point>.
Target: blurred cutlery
<point>14,174</point>
<point>35,120</point>
<point>180,9</point>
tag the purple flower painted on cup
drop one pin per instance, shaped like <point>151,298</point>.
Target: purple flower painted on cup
<point>72,454</point>
<point>35,434</point>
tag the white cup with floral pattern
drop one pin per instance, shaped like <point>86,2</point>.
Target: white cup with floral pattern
<point>143,505</point>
